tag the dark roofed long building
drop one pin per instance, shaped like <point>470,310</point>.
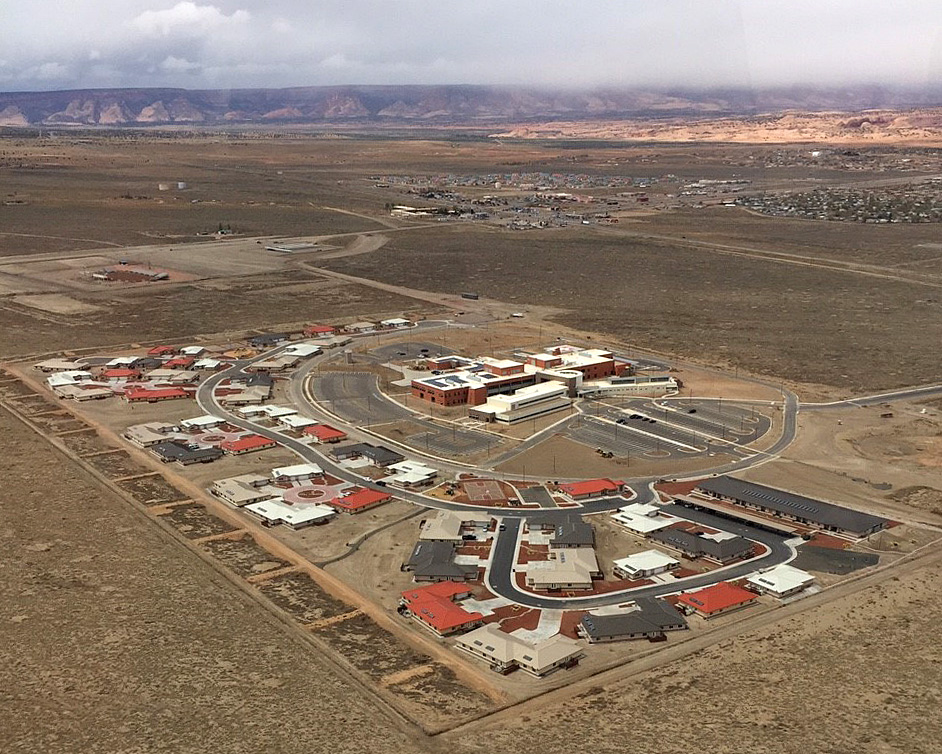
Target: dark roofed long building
<point>170,450</point>
<point>376,453</point>
<point>798,508</point>
<point>697,546</point>
<point>435,561</point>
<point>652,619</point>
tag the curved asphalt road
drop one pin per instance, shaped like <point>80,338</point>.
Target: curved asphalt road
<point>500,573</point>
<point>927,391</point>
<point>500,577</point>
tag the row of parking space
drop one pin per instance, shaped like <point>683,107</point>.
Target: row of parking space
<point>730,425</point>
<point>648,425</point>
<point>453,442</point>
<point>620,440</point>
<point>728,422</point>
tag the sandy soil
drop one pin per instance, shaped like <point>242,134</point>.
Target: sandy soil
<point>854,456</point>
<point>798,685</point>
<point>73,591</point>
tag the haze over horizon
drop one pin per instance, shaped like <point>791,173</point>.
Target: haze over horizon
<point>206,44</point>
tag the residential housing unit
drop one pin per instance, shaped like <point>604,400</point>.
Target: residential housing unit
<point>643,518</point>
<point>566,569</point>
<point>442,526</point>
<point>410,474</point>
<point>573,532</point>
<point>437,607</point>
<point>781,581</point>
<point>185,454</point>
<point>435,561</point>
<point>723,549</point>
<point>505,652</point>
<point>644,564</point>
<point>377,454</point>
<point>275,511</point>
<point>651,619</point>
<point>591,488</point>
<point>716,599</point>
<point>358,499</point>
<point>244,489</point>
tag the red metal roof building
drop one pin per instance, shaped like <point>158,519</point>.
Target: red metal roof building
<point>161,351</point>
<point>135,395</point>
<point>180,361</point>
<point>120,374</point>
<point>319,330</point>
<point>359,500</point>
<point>717,599</point>
<point>325,433</point>
<point>435,608</point>
<point>592,488</point>
<point>247,444</point>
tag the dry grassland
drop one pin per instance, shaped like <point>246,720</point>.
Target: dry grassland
<point>793,322</point>
<point>106,620</point>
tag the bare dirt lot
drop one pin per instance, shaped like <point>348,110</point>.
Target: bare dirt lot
<point>845,330</point>
<point>74,590</point>
<point>793,686</point>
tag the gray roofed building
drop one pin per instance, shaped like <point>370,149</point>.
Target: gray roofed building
<point>698,546</point>
<point>268,339</point>
<point>184,454</point>
<point>652,618</point>
<point>434,561</point>
<point>376,453</point>
<point>251,380</point>
<point>573,532</point>
<point>796,507</point>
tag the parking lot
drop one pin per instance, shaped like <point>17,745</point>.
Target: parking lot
<point>731,422</point>
<point>452,442</point>
<point>724,421</point>
<point>355,397</point>
<point>408,351</point>
<point>625,440</point>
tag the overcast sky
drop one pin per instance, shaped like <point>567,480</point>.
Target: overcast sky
<point>61,44</point>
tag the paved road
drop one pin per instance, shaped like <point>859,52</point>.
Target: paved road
<point>927,391</point>
<point>500,574</point>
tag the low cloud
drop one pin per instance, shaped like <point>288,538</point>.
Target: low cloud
<point>172,64</point>
<point>274,43</point>
<point>187,18</point>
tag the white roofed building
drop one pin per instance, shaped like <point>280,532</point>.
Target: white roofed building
<point>410,474</point>
<point>207,421</point>
<point>297,473</point>
<point>273,512</point>
<point>643,518</point>
<point>302,350</point>
<point>644,564</point>
<point>781,581</point>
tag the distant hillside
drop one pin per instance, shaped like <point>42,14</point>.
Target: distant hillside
<point>467,105</point>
